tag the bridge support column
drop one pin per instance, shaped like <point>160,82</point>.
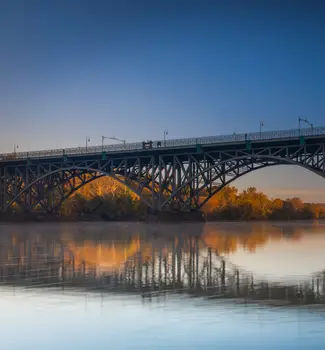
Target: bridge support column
<point>2,190</point>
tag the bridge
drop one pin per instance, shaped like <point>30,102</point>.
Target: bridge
<point>179,174</point>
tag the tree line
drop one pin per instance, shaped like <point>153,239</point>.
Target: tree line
<point>107,199</point>
<point>251,204</point>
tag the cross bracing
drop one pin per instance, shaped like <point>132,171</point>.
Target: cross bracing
<point>165,178</point>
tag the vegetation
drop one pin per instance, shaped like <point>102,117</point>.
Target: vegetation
<point>107,199</point>
<point>251,204</point>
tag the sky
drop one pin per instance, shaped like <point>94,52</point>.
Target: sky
<point>131,69</point>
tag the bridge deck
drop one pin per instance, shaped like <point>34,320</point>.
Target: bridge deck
<point>168,144</point>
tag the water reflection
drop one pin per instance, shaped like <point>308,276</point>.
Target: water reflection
<point>207,260</point>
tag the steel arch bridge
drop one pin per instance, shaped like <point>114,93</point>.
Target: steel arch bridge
<point>167,175</point>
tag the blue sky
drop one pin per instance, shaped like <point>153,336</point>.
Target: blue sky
<point>71,69</point>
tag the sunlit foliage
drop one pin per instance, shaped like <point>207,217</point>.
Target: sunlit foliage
<point>251,204</point>
<point>106,198</point>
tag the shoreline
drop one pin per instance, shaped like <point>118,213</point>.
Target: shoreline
<point>150,219</point>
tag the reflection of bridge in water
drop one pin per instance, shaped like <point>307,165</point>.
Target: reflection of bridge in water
<point>184,264</point>
<point>177,174</point>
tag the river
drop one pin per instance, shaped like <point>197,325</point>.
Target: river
<point>98,285</point>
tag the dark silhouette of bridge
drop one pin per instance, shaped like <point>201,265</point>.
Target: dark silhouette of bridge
<point>181,174</point>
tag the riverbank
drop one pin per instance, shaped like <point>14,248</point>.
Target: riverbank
<point>168,217</point>
<point>196,216</point>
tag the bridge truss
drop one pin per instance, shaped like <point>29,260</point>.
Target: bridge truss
<point>170,178</point>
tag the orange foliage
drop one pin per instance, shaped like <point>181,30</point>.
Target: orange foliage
<point>251,204</point>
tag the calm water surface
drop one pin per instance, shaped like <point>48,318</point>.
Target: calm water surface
<point>162,286</point>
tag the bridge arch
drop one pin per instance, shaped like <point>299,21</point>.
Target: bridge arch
<point>236,168</point>
<point>181,181</point>
<point>91,174</point>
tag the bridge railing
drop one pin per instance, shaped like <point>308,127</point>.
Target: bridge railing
<point>242,137</point>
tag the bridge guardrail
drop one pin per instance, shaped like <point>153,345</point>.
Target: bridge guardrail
<point>160,144</point>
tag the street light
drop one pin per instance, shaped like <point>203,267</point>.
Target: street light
<point>87,140</point>
<point>165,135</point>
<point>111,138</point>
<point>117,139</point>
<point>261,126</point>
<point>306,121</point>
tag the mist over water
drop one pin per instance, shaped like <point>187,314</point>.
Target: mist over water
<point>162,286</point>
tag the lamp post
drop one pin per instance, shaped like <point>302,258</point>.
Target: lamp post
<point>87,140</point>
<point>103,138</point>
<point>111,138</point>
<point>165,136</point>
<point>261,127</point>
<point>117,139</point>
<point>306,121</point>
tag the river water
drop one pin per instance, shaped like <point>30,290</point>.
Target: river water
<point>162,286</point>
